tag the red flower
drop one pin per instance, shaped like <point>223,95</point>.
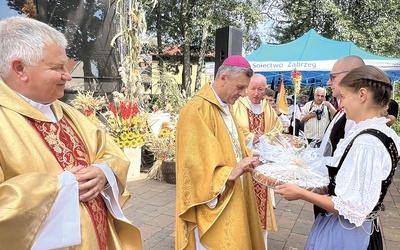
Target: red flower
<point>112,108</point>
<point>129,109</point>
<point>88,112</point>
<point>295,74</point>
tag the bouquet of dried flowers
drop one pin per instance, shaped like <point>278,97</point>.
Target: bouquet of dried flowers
<point>163,147</point>
<point>125,122</point>
<point>89,105</point>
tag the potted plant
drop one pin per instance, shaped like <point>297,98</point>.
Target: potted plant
<point>163,147</point>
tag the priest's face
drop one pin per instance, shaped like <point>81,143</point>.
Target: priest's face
<point>256,90</point>
<point>45,82</point>
<point>234,87</point>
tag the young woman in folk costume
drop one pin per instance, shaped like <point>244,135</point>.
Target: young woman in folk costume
<point>360,170</point>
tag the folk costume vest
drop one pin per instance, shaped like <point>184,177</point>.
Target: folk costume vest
<point>376,237</point>
<point>338,131</point>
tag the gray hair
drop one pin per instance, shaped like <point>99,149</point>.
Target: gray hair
<point>234,70</point>
<point>320,89</point>
<point>25,38</point>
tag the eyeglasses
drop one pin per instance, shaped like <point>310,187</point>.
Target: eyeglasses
<point>333,75</point>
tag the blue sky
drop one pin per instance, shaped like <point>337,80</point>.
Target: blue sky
<point>5,10</point>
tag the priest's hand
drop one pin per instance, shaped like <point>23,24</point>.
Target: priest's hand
<point>245,165</point>
<point>91,181</point>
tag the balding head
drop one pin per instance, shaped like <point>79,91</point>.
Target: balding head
<point>348,63</point>
<point>341,67</point>
<point>256,88</point>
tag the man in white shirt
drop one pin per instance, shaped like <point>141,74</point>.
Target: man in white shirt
<point>316,116</point>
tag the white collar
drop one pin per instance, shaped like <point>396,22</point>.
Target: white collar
<point>44,108</point>
<point>224,105</point>
<point>256,108</point>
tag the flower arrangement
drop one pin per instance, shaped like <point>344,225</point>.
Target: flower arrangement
<point>125,122</point>
<point>163,147</point>
<point>89,105</point>
<point>296,79</point>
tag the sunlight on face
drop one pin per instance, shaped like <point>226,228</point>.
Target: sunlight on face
<point>236,87</point>
<point>46,80</point>
<point>348,102</point>
<point>256,92</point>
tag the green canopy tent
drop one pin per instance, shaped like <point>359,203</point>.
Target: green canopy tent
<point>313,55</point>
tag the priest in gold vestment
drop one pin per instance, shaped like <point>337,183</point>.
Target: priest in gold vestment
<point>256,117</point>
<point>215,202</point>
<point>62,179</point>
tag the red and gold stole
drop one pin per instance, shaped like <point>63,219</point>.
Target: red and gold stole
<point>257,126</point>
<point>69,150</point>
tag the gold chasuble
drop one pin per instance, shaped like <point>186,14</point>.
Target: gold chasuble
<point>204,160</point>
<point>29,167</point>
<point>259,124</point>
<point>271,120</point>
<point>70,151</point>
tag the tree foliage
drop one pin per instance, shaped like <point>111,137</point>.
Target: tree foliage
<point>191,24</point>
<point>86,25</point>
<point>372,25</point>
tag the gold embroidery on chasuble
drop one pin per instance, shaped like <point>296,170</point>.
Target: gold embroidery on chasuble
<point>70,151</point>
<point>256,122</point>
<point>257,126</point>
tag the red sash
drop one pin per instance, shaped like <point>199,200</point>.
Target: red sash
<point>257,126</point>
<point>69,150</point>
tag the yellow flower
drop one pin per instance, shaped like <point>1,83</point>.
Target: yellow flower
<point>125,121</point>
<point>131,135</point>
<point>164,132</point>
<point>134,144</point>
<point>124,136</point>
<point>120,144</point>
<point>127,144</point>
<point>140,141</point>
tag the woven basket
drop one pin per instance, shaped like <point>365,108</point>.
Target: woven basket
<point>168,171</point>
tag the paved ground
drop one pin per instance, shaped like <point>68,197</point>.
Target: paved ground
<point>152,209</point>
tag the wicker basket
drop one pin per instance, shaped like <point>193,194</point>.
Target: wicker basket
<point>168,171</point>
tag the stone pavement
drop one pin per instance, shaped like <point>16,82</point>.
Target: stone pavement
<point>152,210</point>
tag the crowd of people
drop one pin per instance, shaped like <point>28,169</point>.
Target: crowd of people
<point>63,179</point>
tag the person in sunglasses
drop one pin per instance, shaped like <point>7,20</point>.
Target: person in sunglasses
<point>339,125</point>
